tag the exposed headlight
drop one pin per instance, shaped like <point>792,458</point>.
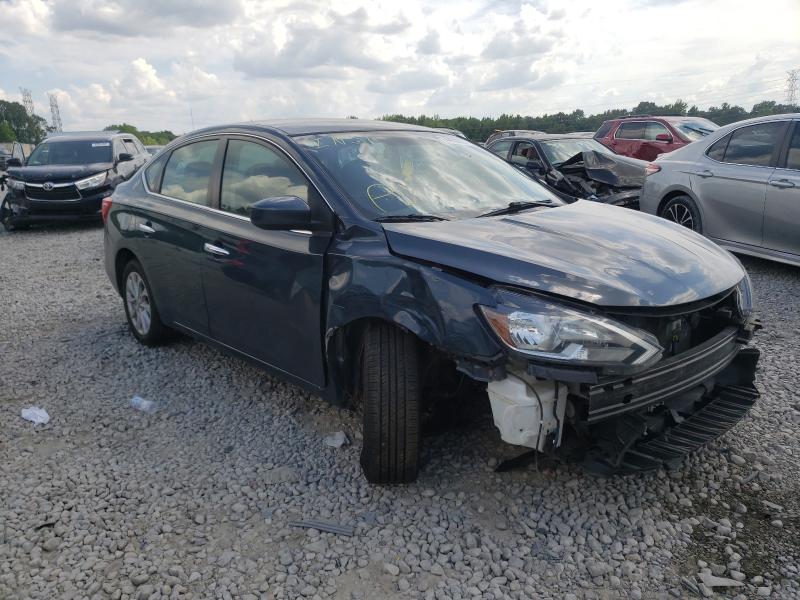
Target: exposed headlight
<point>15,184</point>
<point>92,182</point>
<point>552,332</point>
<point>744,296</point>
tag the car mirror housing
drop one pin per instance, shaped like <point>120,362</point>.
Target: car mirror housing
<point>663,137</point>
<point>282,213</point>
<point>125,157</point>
<point>13,162</point>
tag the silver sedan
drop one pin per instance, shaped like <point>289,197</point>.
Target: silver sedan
<point>740,186</point>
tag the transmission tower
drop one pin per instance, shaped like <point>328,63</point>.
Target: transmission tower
<point>27,100</point>
<point>791,86</point>
<point>55,115</point>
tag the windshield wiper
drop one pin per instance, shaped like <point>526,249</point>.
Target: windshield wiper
<point>515,207</point>
<point>408,218</point>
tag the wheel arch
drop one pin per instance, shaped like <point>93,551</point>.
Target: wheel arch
<point>674,193</point>
<point>122,258</point>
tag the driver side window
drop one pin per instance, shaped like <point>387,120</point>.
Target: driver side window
<point>253,172</point>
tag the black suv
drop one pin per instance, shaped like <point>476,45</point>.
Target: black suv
<point>398,268</point>
<point>68,175</point>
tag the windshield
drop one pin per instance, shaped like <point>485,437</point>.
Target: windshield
<point>415,173</point>
<point>695,129</point>
<point>557,151</point>
<point>82,152</point>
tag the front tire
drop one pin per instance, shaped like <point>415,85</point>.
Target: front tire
<point>390,393</point>
<point>683,211</point>
<point>140,307</point>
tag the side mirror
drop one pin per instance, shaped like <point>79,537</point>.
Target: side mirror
<point>13,162</point>
<point>125,157</point>
<point>534,165</point>
<point>282,213</point>
<point>663,137</point>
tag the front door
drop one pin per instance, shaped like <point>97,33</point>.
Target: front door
<point>782,214</point>
<point>264,288</point>
<point>732,186</point>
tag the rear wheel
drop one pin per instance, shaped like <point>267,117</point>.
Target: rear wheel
<point>140,308</point>
<point>390,393</point>
<point>683,211</point>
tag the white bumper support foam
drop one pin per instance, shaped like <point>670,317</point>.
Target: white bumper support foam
<point>527,410</point>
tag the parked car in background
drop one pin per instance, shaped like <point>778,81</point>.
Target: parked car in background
<point>68,175</point>
<point>575,166</point>
<point>385,265</point>
<point>646,137</point>
<point>153,150</point>
<point>740,186</point>
<point>504,133</point>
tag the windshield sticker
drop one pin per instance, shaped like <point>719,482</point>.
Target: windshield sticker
<point>100,144</point>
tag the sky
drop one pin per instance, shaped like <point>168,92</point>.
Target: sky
<point>185,64</point>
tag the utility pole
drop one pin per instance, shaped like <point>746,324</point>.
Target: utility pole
<point>54,114</point>
<point>27,100</point>
<point>791,86</point>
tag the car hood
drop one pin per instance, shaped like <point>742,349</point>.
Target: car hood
<point>57,173</point>
<point>611,169</point>
<point>592,252</point>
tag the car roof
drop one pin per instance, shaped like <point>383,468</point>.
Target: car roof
<point>71,136</point>
<point>293,127</point>
<point>543,137</point>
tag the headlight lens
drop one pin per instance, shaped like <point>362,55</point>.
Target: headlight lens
<point>542,329</point>
<point>15,184</point>
<point>744,296</point>
<point>92,182</point>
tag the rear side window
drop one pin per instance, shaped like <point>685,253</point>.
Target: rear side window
<point>153,173</point>
<point>524,152</point>
<point>253,172</point>
<point>631,131</point>
<point>501,148</point>
<point>753,145</point>
<point>188,172</point>
<point>654,128</point>
<point>717,149</point>
<point>605,128</point>
<point>793,156</point>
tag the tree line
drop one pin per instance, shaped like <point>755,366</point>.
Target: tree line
<point>479,129</point>
<point>148,138</point>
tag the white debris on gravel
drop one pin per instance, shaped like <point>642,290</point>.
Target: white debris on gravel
<point>36,415</point>
<point>196,503</point>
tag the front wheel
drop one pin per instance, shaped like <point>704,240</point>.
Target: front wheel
<point>390,393</point>
<point>140,308</point>
<point>683,211</point>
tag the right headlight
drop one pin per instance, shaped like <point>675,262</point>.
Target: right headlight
<point>556,333</point>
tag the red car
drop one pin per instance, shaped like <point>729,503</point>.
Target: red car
<point>645,137</point>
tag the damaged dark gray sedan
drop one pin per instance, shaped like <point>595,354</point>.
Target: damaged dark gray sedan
<point>385,266</point>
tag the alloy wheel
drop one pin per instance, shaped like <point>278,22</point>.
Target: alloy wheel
<point>138,301</point>
<point>680,214</point>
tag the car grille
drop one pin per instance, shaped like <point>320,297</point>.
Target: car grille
<point>69,192</point>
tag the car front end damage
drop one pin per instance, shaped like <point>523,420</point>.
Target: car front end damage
<point>648,410</point>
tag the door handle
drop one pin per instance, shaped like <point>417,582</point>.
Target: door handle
<point>145,228</point>
<point>216,250</point>
<point>781,183</point>
<point>704,173</point>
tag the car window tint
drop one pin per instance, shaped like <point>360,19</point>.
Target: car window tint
<point>631,131</point>
<point>604,129</point>
<point>188,172</point>
<point>653,128</point>
<point>753,145</point>
<point>793,156</point>
<point>501,148</point>
<point>717,149</point>
<point>253,172</point>
<point>524,152</point>
<point>153,173</point>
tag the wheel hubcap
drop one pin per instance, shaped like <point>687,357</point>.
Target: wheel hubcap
<point>680,214</point>
<point>138,303</point>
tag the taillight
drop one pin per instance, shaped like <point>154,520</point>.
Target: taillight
<point>105,208</point>
<point>650,169</point>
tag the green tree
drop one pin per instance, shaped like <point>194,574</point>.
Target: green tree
<point>27,128</point>
<point>6,133</point>
<point>149,138</point>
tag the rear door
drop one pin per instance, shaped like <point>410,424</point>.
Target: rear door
<point>264,288</point>
<point>731,182</point>
<point>782,213</point>
<point>628,138</point>
<point>172,227</point>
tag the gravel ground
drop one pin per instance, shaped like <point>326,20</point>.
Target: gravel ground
<point>195,500</point>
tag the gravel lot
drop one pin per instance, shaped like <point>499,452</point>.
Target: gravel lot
<point>195,500</point>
